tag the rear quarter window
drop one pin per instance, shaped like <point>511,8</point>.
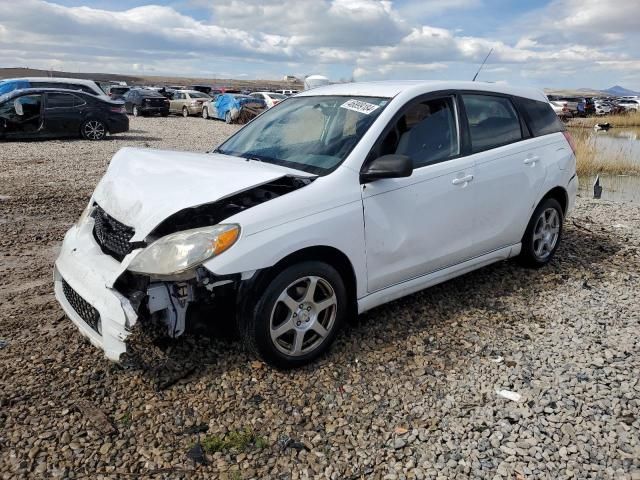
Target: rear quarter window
<point>540,117</point>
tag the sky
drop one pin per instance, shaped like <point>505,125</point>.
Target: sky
<point>554,44</point>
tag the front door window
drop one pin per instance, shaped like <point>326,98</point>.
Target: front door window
<point>22,114</point>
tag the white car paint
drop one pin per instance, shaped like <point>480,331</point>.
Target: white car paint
<point>269,97</point>
<point>400,235</point>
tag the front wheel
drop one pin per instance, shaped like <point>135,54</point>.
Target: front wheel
<point>93,129</point>
<point>185,112</point>
<point>297,315</point>
<point>542,236</point>
<point>136,112</point>
<point>227,117</point>
<point>205,113</point>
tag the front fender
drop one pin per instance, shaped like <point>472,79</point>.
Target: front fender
<point>341,228</point>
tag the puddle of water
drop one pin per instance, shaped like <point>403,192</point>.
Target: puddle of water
<point>617,188</point>
<point>614,143</point>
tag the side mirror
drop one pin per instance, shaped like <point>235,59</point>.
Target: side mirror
<point>387,166</point>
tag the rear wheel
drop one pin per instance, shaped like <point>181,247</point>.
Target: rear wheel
<point>542,236</point>
<point>205,113</point>
<point>136,112</point>
<point>227,117</point>
<point>93,129</point>
<point>297,316</point>
<point>185,112</point>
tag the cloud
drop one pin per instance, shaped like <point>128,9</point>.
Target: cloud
<point>568,40</point>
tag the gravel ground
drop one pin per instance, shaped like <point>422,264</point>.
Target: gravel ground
<point>408,391</point>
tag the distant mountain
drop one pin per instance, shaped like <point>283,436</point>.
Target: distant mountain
<point>619,91</point>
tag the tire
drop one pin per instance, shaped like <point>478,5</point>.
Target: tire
<point>205,113</point>
<point>227,117</point>
<point>164,114</point>
<point>136,112</point>
<point>543,234</point>
<point>287,325</point>
<point>93,129</point>
<point>185,112</point>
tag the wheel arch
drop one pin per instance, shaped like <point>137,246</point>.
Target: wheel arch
<point>322,253</point>
<point>560,194</point>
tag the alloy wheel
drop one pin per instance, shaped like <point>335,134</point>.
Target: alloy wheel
<point>94,130</point>
<point>185,112</point>
<point>135,111</point>
<point>303,315</point>
<point>205,113</point>
<point>546,233</point>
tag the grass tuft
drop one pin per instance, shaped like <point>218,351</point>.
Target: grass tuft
<point>626,120</point>
<point>590,161</point>
<point>236,441</point>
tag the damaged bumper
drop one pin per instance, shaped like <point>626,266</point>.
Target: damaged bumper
<point>100,312</point>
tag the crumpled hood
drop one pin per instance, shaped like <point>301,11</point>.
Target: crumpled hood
<point>142,187</point>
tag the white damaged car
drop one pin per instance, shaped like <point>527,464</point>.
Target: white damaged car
<point>340,199</point>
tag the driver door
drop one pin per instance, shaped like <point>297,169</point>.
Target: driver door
<point>22,116</point>
<point>422,223</point>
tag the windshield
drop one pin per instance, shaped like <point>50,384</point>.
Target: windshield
<point>312,134</point>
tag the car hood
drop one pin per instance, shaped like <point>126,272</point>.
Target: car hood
<point>142,187</point>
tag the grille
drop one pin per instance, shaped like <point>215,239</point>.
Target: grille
<point>89,314</point>
<point>112,236</point>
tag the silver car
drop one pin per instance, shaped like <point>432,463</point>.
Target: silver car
<point>188,102</point>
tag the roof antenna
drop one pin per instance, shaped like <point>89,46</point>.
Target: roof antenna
<point>483,62</point>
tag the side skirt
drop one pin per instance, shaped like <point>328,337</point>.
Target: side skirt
<point>416,284</point>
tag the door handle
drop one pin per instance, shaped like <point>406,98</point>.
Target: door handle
<point>462,180</point>
<point>531,160</point>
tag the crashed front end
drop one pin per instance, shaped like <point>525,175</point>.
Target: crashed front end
<point>111,275</point>
<point>100,293</point>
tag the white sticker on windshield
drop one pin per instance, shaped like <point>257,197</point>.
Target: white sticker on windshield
<point>359,106</point>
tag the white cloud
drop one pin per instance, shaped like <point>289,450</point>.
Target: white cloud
<point>364,38</point>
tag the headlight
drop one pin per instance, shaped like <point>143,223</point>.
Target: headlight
<point>85,214</point>
<point>179,252</point>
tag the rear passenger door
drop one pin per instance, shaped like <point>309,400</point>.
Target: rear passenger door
<point>62,114</point>
<point>509,173</point>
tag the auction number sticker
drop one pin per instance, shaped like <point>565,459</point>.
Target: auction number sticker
<point>359,106</point>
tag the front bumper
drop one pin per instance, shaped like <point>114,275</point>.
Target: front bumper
<point>92,274</point>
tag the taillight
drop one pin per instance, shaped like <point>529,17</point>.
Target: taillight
<point>569,138</point>
<point>118,109</point>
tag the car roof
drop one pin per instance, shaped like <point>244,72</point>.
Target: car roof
<point>186,90</point>
<point>79,81</point>
<point>393,88</point>
<point>24,91</point>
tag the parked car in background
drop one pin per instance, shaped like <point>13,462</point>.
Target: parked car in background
<point>630,105</point>
<point>340,199</point>
<point>270,98</point>
<point>188,102</point>
<point>87,86</point>
<point>288,93</point>
<point>602,107</point>
<point>202,88</point>
<point>233,107</point>
<point>55,113</point>
<point>141,102</point>
<point>118,92</point>
<point>561,109</point>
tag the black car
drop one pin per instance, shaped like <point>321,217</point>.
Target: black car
<point>141,101</point>
<point>55,112</point>
<point>118,93</point>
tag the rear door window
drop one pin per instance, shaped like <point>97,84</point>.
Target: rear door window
<point>493,121</point>
<point>541,118</point>
<point>60,100</point>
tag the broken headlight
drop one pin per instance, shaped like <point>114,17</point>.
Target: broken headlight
<point>85,214</point>
<point>181,251</point>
